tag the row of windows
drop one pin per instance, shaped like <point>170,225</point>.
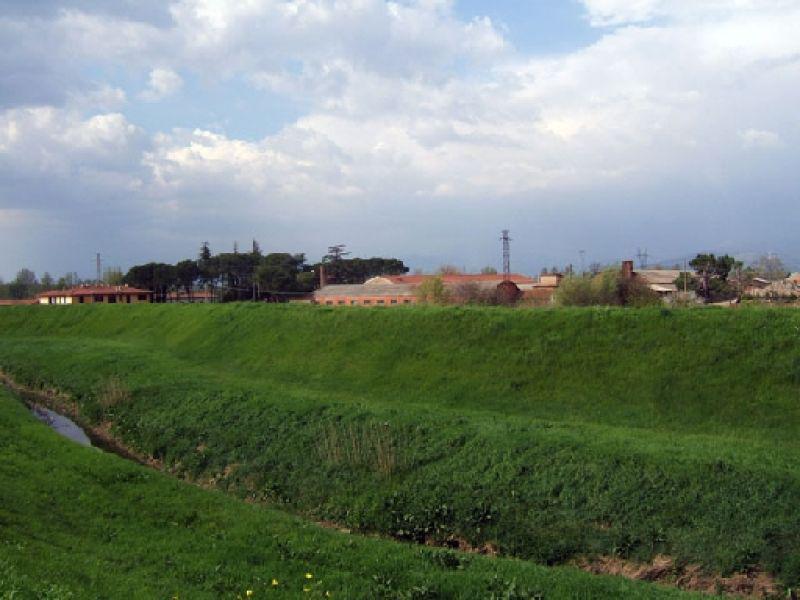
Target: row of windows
<point>355,302</point>
<point>126,298</point>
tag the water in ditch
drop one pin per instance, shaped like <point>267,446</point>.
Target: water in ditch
<point>62,425</point>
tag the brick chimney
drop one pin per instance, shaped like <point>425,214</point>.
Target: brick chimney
<point>323,278</point>
<point>627,269</point>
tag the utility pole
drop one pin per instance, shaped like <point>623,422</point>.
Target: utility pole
<point>506,254</point>
<point>99,264</point>
<point>642,256</point>
<point>685,277</point>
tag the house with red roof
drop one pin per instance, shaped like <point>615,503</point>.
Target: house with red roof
<point>96,294</point>
<point>392,290</point>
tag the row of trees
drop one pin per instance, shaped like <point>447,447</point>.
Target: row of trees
<point>712,278</point>
<point>26,284</point>
<point>719,278</point>
<point>252,275</point>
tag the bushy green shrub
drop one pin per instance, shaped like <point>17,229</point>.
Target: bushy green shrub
<point>607,288</point>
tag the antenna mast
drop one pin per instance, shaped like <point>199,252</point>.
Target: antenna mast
<point>99,269</point>
<point>642,256</point>
<point>506,254</point>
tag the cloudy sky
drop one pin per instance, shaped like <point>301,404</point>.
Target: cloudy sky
<point>416,128</point>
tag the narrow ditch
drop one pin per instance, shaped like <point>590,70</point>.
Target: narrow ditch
<point>662,570</point>
<point>55,402</point>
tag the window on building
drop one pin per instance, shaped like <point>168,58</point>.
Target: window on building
<point>80,300</point>
<point>128,299</point>
<point>381,302</point>
<point>142,297</point>
<point>393,302</point>
<point>367,301</point>
<point>98,297</point>
<point>406,301</point>
<point>328,302</point>
<point>112,299</point>
<point>353,302</point>
<point>340,302</point>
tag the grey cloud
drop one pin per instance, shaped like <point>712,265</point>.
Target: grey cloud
<point>657,137</point>
<point>155,12</point>
<point>30,72</point>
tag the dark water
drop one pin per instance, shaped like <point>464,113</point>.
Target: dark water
<point>62,425</point>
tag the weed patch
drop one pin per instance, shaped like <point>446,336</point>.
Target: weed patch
<point>372,445</point>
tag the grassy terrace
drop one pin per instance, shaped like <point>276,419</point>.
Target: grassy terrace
<point>78,523</point>
<point>549,434</point>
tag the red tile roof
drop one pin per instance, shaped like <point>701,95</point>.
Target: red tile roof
<point>94,289</point>
<point>461,278</point>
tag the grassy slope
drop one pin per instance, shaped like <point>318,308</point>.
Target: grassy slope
<point>552,433</point>
<point>79,523</point>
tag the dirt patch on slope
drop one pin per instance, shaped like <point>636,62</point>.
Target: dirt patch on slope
<point>462,545</point>
<point>665,570</point>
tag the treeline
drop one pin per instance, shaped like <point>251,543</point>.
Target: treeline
<point>277,276</point>
<point>26,284</point>
<point>228,276</point>
<point>710,278</point>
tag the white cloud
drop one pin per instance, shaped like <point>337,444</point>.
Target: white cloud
<point>162,84</point>
<point>641,103</point>
<point>60,150</point>
<point>101,97</point>
<point>605,13</point>
<point>388,108</point>
<point>758,138</point>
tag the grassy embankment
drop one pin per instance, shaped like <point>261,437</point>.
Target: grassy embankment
<point>552,434</point>
<point>79,523</point>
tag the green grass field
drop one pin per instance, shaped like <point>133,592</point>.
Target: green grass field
<point>79,523</point>
<point>550,434</point>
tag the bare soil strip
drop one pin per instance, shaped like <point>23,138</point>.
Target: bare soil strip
<point>665,570</point>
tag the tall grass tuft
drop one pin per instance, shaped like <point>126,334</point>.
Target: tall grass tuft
<point>113,393</point>
<point>371,445</point>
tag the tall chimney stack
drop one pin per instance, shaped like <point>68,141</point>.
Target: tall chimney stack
<point>323,278</point>
<point>627,269</point>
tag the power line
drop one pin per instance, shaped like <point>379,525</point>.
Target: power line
<point>642,256</point>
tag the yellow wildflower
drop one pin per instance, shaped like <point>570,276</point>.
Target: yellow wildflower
<point>309,576</point>
<point>306,588</point>
<point>248,593</point>
<point>274,583</point>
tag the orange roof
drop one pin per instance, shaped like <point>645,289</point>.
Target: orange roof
<point>91,290</point>
<point>461,278</point>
